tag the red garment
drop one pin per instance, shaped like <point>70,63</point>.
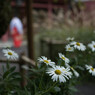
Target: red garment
<point>16,38</point>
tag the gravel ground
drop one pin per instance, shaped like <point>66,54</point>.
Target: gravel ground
<point>86,89</point>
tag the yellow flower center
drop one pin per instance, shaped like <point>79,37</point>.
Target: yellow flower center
<point>94,46</point>
<point>58,72</point>
<point>9,53</point>
<point>78,44</point>
<point>46,61</point>
<point>63,58</point>
<point>92,69</point>
<point>69,48</point>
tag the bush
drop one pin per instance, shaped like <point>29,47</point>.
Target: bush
<point>5,15</point>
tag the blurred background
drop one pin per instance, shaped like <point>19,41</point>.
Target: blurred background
<point>42,26</point>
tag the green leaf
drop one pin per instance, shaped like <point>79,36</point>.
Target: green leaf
<point>57,89</point>
<point>73,89</point>
<point>8,72</point>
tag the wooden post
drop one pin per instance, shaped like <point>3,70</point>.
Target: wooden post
<point>29,29</point>
<point>42,47</point>
<point>22,71</point>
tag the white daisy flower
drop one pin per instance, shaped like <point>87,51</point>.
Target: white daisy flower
<point>88,67</point>
<point>10,54</point>
<point>92,45</point>
<point>66,71</point>
<point>78,46</point>
<point>58,74</point>
<point>91,69</point>
<point>70,39</point>
<point>69,48</point>
<point>46,61</point>
<point>75,72</point>
<point>64,58</point>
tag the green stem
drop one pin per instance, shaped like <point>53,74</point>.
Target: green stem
<point>41,79</point>
<point>7,64</point>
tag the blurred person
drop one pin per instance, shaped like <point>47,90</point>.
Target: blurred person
<point>16,30</point>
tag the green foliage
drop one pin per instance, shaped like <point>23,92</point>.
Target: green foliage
<point>9,81</point>
<point>82,34</point>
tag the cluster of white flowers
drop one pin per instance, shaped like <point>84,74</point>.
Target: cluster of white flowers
<point>81,47</point>
<point>74,45</point>
<point>91,69</point>
<point>9,54</point>
<point>59,73</point>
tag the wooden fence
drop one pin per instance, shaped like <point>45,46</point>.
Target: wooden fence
<point>51,45</point>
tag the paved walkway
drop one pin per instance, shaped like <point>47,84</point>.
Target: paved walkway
<point>86,89</point>
<point>9,43</point>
